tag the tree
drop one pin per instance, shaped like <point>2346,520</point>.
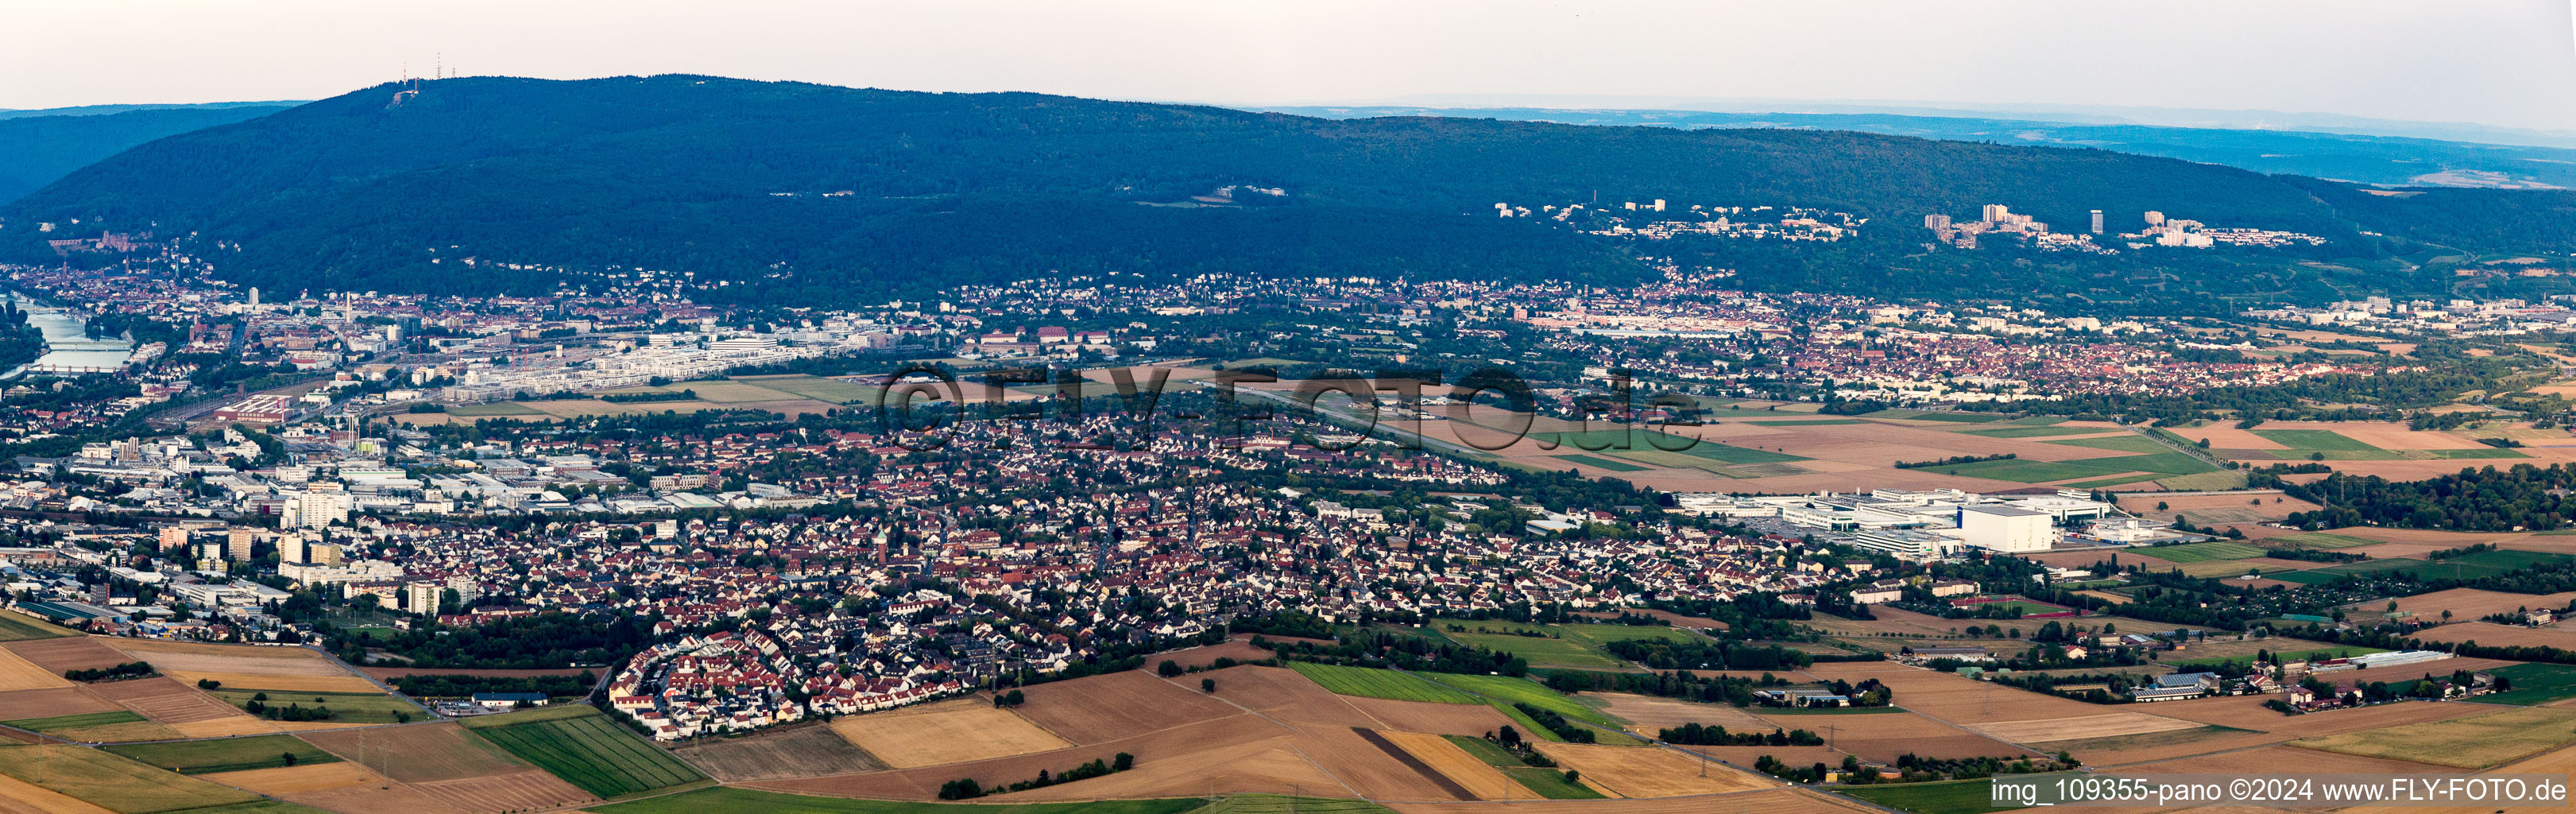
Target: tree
<point>1207,685</point>
<point>1169,668</point>
<point>1122,762</point>
<point>288,757</point>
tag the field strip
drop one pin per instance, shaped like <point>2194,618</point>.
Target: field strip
<point>1310,760</point>
<point>1407,760</point>
<point>1257,713</point>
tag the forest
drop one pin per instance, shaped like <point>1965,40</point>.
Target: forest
<point>817,194</point>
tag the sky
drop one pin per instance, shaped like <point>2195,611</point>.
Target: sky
<point>2500,63</point>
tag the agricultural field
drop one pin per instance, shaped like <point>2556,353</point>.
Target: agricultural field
<point>225,754</point>
<point>15,626</point>
<point>1504,691</point>
<point>2201,552</point>
<point>2287,649</point>
<point>1940,797</point>
<point>2534,684</point>
<point>20,674</point>
<point>804,750</point>
<point>2318,539</point>
<point>1645,771</point>
<point>1373,683</point>
<point>2488,633</point>
<point>589,751</point>
<point>98,727</point>
<point>747,801</point>
<point>1118,705</point>
<point>346,707</point>
<point>958,731</point>
<point>111,782</point>
<point>2091,726</point>
<point>2471,743</point>
<point>1541,651</point>
<point>1478,777</point>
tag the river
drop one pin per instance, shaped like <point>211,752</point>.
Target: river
<point>66,343</point>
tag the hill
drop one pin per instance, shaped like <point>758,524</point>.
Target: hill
<point>39,146</point>
<point>2367,159</point>
<point>817,194</point>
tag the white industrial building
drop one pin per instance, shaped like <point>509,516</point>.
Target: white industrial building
<point>2006,530</point>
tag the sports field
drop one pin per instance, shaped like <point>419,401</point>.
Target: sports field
<point>592,752</point>
<point>1371,683</point>
<point>225,754</point>
<point>746,801</point>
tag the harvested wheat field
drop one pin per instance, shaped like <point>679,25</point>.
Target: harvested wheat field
<point>71,653</point>
<point>803,750</point>
<point>227,727</point>
<point>1184,745</point>
<point>166,700</point>
<point>1890,620</point>
<point>1647,771</point>
<point>2561,761</point>
<point>1884,736</point>
<point>2474,742</point>
<point>20,674</point>
<point>1481,780</point>
<point>1117,705</point>
<point>1647,713</point>
<point>1283,695</point>
<point>1206,656</point>
<point>294,779</point>
<point>1766,801</point>
<point>2247,712</point>
<point>50,703</point>
<point>1957,699</point>
<point>958,731</point>
<point>1261,767</point>
<point>2306,760</point>
<point>1473,720</point>
<point>20,797</point>
<point>2495,635</point>
<point>521,791</point>
<point>281,683</point>
<point>2471,603</point>
<point>2093,726</point>
<point>374,798</point>
<point>1372,770</point>
<point>1743,757</point>
<point>417,753</point>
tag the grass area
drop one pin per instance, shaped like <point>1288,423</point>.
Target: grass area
<point>550,712</point>
<point>1600,463</point>
<point>63,722</point>
<point>2285,655</point>
<point>2320,539</point>
<point>1550,783</point>
<point>115,783</point>
<point>1714,451</point>
<point>2202,552</point>
<point>1521,721</point>
<point>2028,471</point>
<point>2031,432</point>
<point>1493,754</point>
<point>746,801</point>
<point>2475,742</point>
<point>1374,683</point>
<point>498,408</point>
<point>2122,443</point>
<point>592,752</point>
<point>15,626</point>
<point>1506,690</point>
<point>346,707</point>
<point>2467,567</point>
<point>1541,651</point>
<point>224,754</point>
<point>1944,797</point>
<point>2534,684</point>
<point>2313,440</point>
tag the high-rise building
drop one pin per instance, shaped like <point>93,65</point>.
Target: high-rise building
<point>291,548</point>
<point>2097,221</point>
<point>237,544</point>
<point>254,296</point>
<point>1659,204</point>
<point>1996,212</point>
<point>2155,218</point>
<point>1936,222</point>
<point>174,538</point>
<point>422,597</point>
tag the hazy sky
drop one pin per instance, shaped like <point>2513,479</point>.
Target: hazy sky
<point>2495,62</point>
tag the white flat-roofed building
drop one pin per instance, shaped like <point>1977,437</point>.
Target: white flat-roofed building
<point>2005,529</point>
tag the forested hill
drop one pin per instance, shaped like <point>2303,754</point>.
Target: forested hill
<point>36,148</point>
<point>686,173</point>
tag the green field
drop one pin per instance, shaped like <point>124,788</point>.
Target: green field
<point>1600,463</point>
<point>2313,440</point>
<point>15,626</point>
<point>1568,645</point>
<point>551,712</point>
<point>1505,690</point>
<point>2122,443</point>
<point>1373,683</point>
<point>2471,566</point>
<point>1493,754</point>
<point>2534,684</point>
<point>1528,728</point>
<point>746,801</point>
<point>2475,453</point>
<point>2027,471</point>
<point>592,752</point>
<point>1266,804</point>
<point>120,785</point>
<point>224,754</point>
<point>1550,783</point>
<point>2320,539</point>
<point>59,723</point>
<point>2202,552</point>
<point>346,707</point>
<point>1540,651</point>
<point>1941,797</point>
